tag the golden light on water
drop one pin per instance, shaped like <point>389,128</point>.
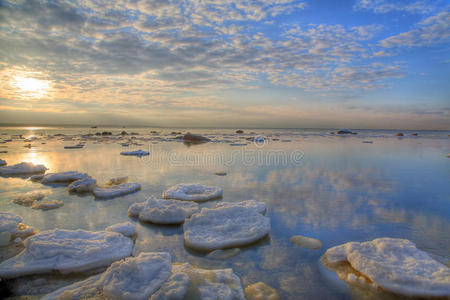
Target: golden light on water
<point>36,158</point>
<point>30,87</point>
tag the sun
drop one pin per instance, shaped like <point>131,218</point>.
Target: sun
<point>29,87</point>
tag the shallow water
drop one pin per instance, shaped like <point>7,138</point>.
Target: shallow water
<point>329,187</point>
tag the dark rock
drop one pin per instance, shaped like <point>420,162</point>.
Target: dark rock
<point>239,131</point>
<point>194,138</point>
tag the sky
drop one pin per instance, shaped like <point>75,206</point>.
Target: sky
<point>219,63</point>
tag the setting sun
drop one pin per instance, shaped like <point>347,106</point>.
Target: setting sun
<point>29,87</point>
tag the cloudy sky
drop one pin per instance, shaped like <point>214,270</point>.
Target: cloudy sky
<point>254,63</point>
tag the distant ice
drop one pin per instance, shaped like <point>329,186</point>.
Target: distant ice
<point>29,198</point>
<point>193,192</point>
<point>224,228</point>
<point>261,291</point>
<point>132,278</point>
<point>220,173</point>
<point>2,162</point>
<point>126,228</point>
<point>47,205</point>
<point>163,211</point>
<point>22,168</point>
<point>189,282</point>
<point>83,185</point>
<point>63,177</point>
<point>306,242</point>
<point>135,153</point>
<point>395,265</point>
<point>259,207</point>
<point>117,190</point>
<point>67,251</point>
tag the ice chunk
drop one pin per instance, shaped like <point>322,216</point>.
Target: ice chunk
<point>132,278</point>
<point>67,251</point>
<point>135,153</point>
<point>47,205</point>
<point>306,242</point>
<point>163,211</point>
<point>221,173</point>
<point>224,228</point>
<point>5,238</point>
<point>117,181</point>
<point>2,162</point>
<point>83,185</point>
<point>223,254</point>
<point>28,198</point>
<point>117,190</point>
<point>37,177</point>
<point>256,205</point>
<point>9,222</point>
<point>193,192</point>
<point>125,228</point>
<point>63,177</point>
<point>22,168</point>
<point>189,282</point>
<point>395,265</point>
<point>261,291</point>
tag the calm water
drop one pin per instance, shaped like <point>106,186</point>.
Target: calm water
<point>333,188</point>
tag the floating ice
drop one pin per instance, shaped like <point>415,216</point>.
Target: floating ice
<point>78,146</point>
<point>37,177</point>
<point>63,177</point>
<point>28,198</point>
<point>47,205</point>
<point>256,205</point>
<point>84,185</point>
<point>2,162</point>
<point>5,238</point>
<point>224,228</point>
<point>221,173</point>
<point>67,251</point>
<point>135,153</point>
<point>9,222</point>
<point>22,168</point>
<point>223,254</point>
<point>395,265</point>
<point>125,228</point>
<point>163,211</point>
<point>306,242</point>
<point>117,190</point>
<point>261,291</point>
<point>117,181</point>
<point>132,278</point>
<point>189,282</point>
<point>193,192</point>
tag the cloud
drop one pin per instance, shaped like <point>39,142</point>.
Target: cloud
<point>386,6</point>
<point>433,30</point>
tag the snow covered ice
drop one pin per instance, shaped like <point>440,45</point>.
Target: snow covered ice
<point>135,153</point>
<point>125,228</point>
<point>224,228</point>
<point>261,291</point>
<point>306,242</point>
<point>22,169</point>
<point>163,211</point>
<point>193,192</point>
<point>395,265</point>
<point>67,251</point>
<point>116,190</point>
<point>47,205</point>
<point>63,177</point>
<point>29,198</point>
<point>132,278</point>
<point>11,226</point>
<point>259,207</point>
<point>83,185</point>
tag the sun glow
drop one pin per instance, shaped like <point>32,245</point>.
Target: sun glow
<point>29,87</point>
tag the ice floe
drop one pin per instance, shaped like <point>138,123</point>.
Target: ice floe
<point>132,278</point>
<point>261,291</point>
<point>22,168</point>
<point>116,190</point>
<point>11,225</point>
<point>116,181</point>
<point>47,205</point>
<point>306,242</point>
<point>395,265</point>
<point>126,228</point>
<point>84,185</point>
<point>189,282</point>
<point>63,177</point>
<point>2,162</point>
<point>29,198</point>
<point>224,228</point>
<point>193,192</point>
<point>67,251</point>
<point>252,204</point>
<point>135,153</point>
<point>163,211</point>
<point>223,254</point>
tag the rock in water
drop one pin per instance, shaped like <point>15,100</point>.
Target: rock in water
<point>189,282</point>
<point>163,211</point>
<point>22,168</point>
<point>224,228</point>
<point>117,190</point>
<point>67,251</point>
<point>261,291</point>
<point>193,192</point>
<point>395,265</point>
<point>306,242</point>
